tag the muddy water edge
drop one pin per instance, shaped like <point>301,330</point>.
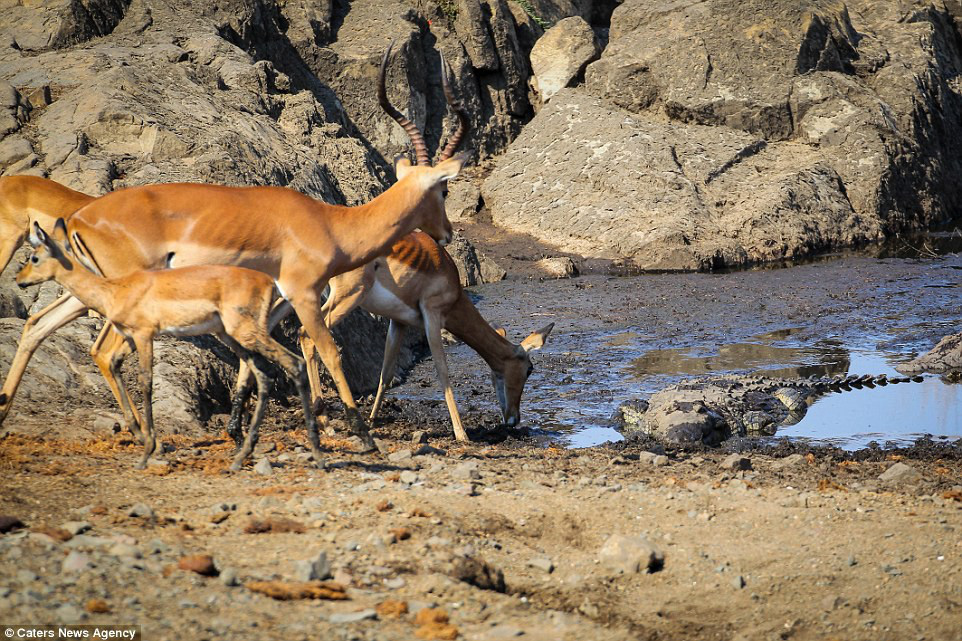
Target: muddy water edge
<point>620,338</point>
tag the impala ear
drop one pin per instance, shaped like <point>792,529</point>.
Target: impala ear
<point>537,339</point>
<point>39,236</point>
<point>36,234</point>
<point>60,232</point>
<point>402,166</point>
<point>451,167</point>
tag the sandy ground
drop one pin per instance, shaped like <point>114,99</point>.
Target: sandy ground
<point>799,546</point>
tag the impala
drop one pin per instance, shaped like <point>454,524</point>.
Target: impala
<point>417,285</point>
<point>300,242</point>
<point>233,303</point>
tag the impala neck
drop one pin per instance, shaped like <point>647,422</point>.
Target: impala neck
<point>464,321</point>
<point>368,231</point>
<point>91,290</point>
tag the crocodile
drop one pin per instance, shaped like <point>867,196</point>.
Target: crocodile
<point>713,409</point>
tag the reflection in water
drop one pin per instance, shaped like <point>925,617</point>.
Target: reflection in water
<point>899,413</point>
<point>825,359</point>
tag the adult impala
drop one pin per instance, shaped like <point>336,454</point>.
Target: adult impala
<point>418,285</point>
<point>297,240</point>
<point>232,302</point>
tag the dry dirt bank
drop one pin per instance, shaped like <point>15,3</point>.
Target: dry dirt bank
<point>800,547</point>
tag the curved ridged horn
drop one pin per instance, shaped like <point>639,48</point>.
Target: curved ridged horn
<point>463,125</point>
<point>420,148</point>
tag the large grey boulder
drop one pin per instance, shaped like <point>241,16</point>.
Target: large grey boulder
<point>594,179</point>
<point>561,54</point>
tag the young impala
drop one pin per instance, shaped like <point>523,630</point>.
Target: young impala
<point>417,285</point>
<point>298,241</point>
<point>232,303</point>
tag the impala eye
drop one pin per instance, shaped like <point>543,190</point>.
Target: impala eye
<point>34,259</point>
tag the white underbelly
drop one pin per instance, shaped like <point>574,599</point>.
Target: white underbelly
<point>211,325</point>
<point>382,302</point>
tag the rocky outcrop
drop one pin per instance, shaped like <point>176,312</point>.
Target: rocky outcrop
<point>740,132</point>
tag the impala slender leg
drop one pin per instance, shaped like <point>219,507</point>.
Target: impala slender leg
<point>108,352</point>
<point>248,366</point>
<point>321,336</point>
<point>127,406</point>
<point>144,344</point>
<point>242,390</point>
<point>253,432</point>
<point>296,369</point>
<point>35,330</point>
<point>432,328</point>
<point>392,347</point>
<point>242,387</point>
<point>346,292</point>
<point>313,364</point>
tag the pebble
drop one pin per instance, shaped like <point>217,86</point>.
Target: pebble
<point>228,577</point>
<point>658,460</point>
<point>738,582</point>
<point>76,527</point>
<point>899,474</point>
<point>316,569</point>
<point>26,576</point>
<point>419,437</point>
<point>141,510</point>
<point>75,562</point>
<point>264,467</point>
<point>395,583</point>
<point>408,477</point>
<point>630,554</point>
<point>125,549</point>
<point>736,462</point>
<point>467,470</point>
<point>69,613</point>
<point>156,546</point>
<point>400,456</point>
<point>542,563</point>
<point>353,617</point>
